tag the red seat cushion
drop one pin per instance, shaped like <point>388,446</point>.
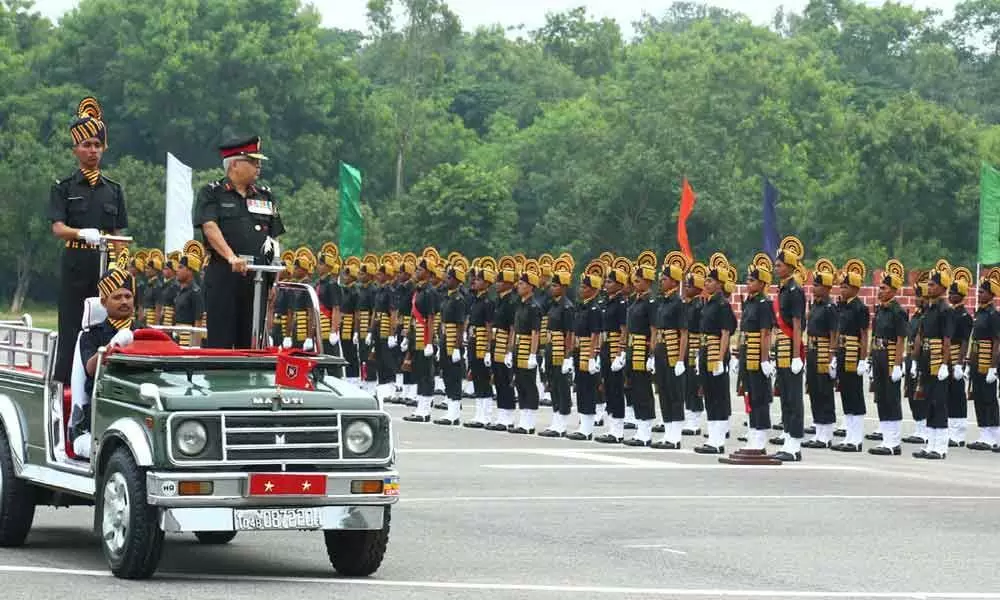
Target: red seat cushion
<point>67,413</point>
<point>153,342</point>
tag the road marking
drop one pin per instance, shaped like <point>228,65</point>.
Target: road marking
<point>660,498</point>
<point>524,587</point>
<point>665,466</point>
<point>662,547</point>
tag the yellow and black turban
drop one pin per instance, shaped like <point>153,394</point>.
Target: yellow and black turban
<point>592,281</point>
<point>647,273</point>
<point>760,268</point>
<point>487,275</point>
<point>790,251</point>
<point>562,278</point>
<point>991,282</point>
<point>507,276</point>
<point>530,278</point>
<point>618,276</point>
<point>824,273</point>
<point>89,122</point>
<point>457,272</point>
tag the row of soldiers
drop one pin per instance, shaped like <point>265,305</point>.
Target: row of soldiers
<point>626,338</point>
<point>169,290</point>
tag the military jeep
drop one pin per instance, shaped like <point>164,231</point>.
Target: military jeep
<point>190,440</point>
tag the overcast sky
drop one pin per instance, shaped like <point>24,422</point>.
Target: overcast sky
<point>350,14</point>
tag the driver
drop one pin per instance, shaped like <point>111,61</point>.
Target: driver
<point>117,290</point>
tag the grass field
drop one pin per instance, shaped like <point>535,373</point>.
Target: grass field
<point>42,315</point>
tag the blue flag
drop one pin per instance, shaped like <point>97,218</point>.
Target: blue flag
<point>770,219</point>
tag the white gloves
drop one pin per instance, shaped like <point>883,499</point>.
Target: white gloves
<point>508,360</point>
<point>121,339</point>
<point>991,375</point>
<point>567,366</point>
<point>618,363</point>
<point>308,345</point>
<point>404,345</point>
<point>651,365</point>
<point>594,366</point>
<point>334,338</point>
<point>429,350</point>
<point>734,365</point>
<point>897,373</point>
<point>392,342</point>
<point>767,368</point>
<point>797,365</point>
<point>863,368</point>
<point>272,247</point>
<point>958,372</point>
<point>488,360</point>
<point>913,369</point>
<point>719,369</point>
<point>368,339</point>
<point>286,343</point>
<point>679,368</point>
<point>532,361</point>
<point>355,338</point>
<point>456,355</point>
<point>942,373</point>
<point>90,236</point>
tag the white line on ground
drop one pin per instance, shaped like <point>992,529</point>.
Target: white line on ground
<point>660,498</point>
<point>661,547</point>
<point>665,466</point>
<point>518,587</point>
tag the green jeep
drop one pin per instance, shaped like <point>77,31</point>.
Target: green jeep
<point>194,440</point>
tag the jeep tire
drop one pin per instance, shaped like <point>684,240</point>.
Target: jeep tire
<point>358,553</point>
<point>215,538</point>
<point>17,499</point>
<point>130,533</point>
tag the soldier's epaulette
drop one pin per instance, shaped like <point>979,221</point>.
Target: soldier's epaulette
<point>66,179</point>
<point>109,180</point>
<point>215,184</point>
<point>264,188</point>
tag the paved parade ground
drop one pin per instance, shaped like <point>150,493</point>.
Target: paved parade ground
<point>495,515</point>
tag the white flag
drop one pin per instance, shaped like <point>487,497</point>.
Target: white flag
<point>180,200</point>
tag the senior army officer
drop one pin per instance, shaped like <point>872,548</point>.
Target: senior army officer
<point>239,220</point>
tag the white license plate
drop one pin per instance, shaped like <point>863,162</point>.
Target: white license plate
<point>265,519</point>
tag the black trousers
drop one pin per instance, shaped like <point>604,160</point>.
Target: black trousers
<point>586,392</point>
<point>641,394</point>
<point>887,393</point>
<point>910,383</point>
<point>693,397</point>
<point>229,306</point>
<point>559,384</point>
<point>614,393</point>
<point>761,393</point>
<point>453,374</point>
<point>385,362</point>
<point>985,397</point>
<point>80,271</point>
<point>718,406</point>
<point>503,380</point>
<point>821,398</point>
<point>423,372</point>
<point>350,350</point>
<point>936,395</point>
<point>481,384</point>
<point>527,388</point>
<point>958,399</point>
<point>792,405</point>
<point>367,356</point>
<point>671,387</point>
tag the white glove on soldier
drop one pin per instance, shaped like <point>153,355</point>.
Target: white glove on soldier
<point>532,361</point>
<point>679,368</point>
<point>567,366</point>
<point>594,366</point>
<point>797,365</point>
<point>121,339</point>
<point>308,345</point>
<point>286,343</point>
<point>913,370</point>
<point>958,372</point>
<point>456,355</point>
<point>392,342</point>
<point>619,363</point>
<point>942,373</point>
<point>863,368</point>
<point>508,360</point>
<point>832,371</point>
<point>991,375</point>
<point>404,345</point>
<point>767,368</point>
<point>897,373</point>
<point>90,236</point>
<point>368,339</point>
<point>734,365</point>
<point>355,338</point>
<point>429,350</point>
<point>488,360</point>
<point>651,365</point>
<point>334,338</point>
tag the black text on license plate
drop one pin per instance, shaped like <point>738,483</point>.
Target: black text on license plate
<point>277,519</point>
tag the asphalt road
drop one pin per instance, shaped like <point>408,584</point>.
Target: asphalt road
<point>494,515</point>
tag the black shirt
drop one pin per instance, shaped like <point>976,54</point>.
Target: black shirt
<point>758,314</point>
<point>189,304</point>
<point>938,321</point>
<point>890,321</point>
<point>694,307</point>
<point>716,316</point>
<point>854,317</point>
<point>640,314</point>
<point>80,206</point>
<point>91,340</point>
<point>528,317</point>
<point>453,314</point>
<point>587,319</point>
<point>481,310</point>
<point>506,308</point>
<point>823,319</point>
<point>913,326</point>
<point>791,301</point>
<point>986,325</point>
<point>672,312</point>
<point>329,293</point>
<point>963,325</point>
<point>244,222</point>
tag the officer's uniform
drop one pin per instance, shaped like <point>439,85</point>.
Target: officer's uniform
<point>421,346</point>
<point>478,350</point>
<point>558,356</point>
<point>330,298</point>
<point>348,323</point>
<point>911,388</point>
<point>888,337</point>
<point>694,402</point>
<point>958,398</point>
<point>821,331</point>
<point>503,382</point>
<point>382,310</point>
<point>588,321</point>
<point>189,302</point>
<point>937,327</point>
<point>83,200</point>
<point>790,305</point>
<point>854,321</point>
<point>246,223</point>
<point>983,367</point>
<point>453,315</point>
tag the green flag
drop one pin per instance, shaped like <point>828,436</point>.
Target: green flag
<point>352,224</point>
<point>989,215</point>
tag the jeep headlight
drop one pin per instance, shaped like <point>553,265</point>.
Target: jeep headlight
<point>191,438</point>
<point>359,437</point>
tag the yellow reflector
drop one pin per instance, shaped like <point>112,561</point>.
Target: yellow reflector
<point>366,486</point>
<point>195,488</point>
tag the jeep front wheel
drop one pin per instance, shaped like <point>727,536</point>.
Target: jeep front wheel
<point>357,553</point>
<point>130,534</point>
<point>17,499</point>
<point>215,538</point>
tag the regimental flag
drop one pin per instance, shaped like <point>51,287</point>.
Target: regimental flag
<point>687,205</point>
<point>293,369</point>
<point>770,219</point>
<point>989,216</point>
<point>287,484</point>
<point>352,224</point>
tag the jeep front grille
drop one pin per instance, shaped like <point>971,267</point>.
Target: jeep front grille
<point>280,438</point>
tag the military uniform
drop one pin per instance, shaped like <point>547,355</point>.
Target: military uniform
<point>639,359</point>
<point>983,365</point>
<point>453,317</point>
<point>558,355</point>
<point>958,398</point>
<point>503,382</point>
<point>365,289</point>
<point>382,330</point>
<point>189,303</point>
<point>888,337</point>
<point>588,323</point>
<point>478,350</point>
<point>614,360</point>
<point>821,330</point>
<point>914,394</point>
<point>694,402</point>
<point>717,319</point>
<point>404,299</point>
<point>348,322</point>
<point>756,323</point>
<point>937,328</point>
<point>671,325</point>
<point>249,224</point>
<point>852,366</point>
<point>421,344</point>
<point>527,325</point>
<point>88,201</point>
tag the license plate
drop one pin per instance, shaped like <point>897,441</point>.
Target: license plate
<point>276,519</point>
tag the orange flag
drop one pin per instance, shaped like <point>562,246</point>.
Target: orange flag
<point>687,205</point>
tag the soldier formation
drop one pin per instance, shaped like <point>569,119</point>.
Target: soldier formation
<point>169,290</point>
<point>623,338</point>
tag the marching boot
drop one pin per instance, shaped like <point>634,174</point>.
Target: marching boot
<point>643,435</point>
<point>479,420</point>
<point>454,416</point>
<point>692,422</point>
<point>919,433</point>
<point>877,435</point>
<point>823,438</point>
<point>957,431</point>
<point>716,443</point>
<point>672,434</point>
<point>527,424</point>
<point>423,412</point>
<point>791,451</point>
<point>557,427</point>
<point>891,440</point>
<point>503,420</point>
<point>615,433</point>
<point>586,431</point>
<point>659,427</point>
<point>855,426</point>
